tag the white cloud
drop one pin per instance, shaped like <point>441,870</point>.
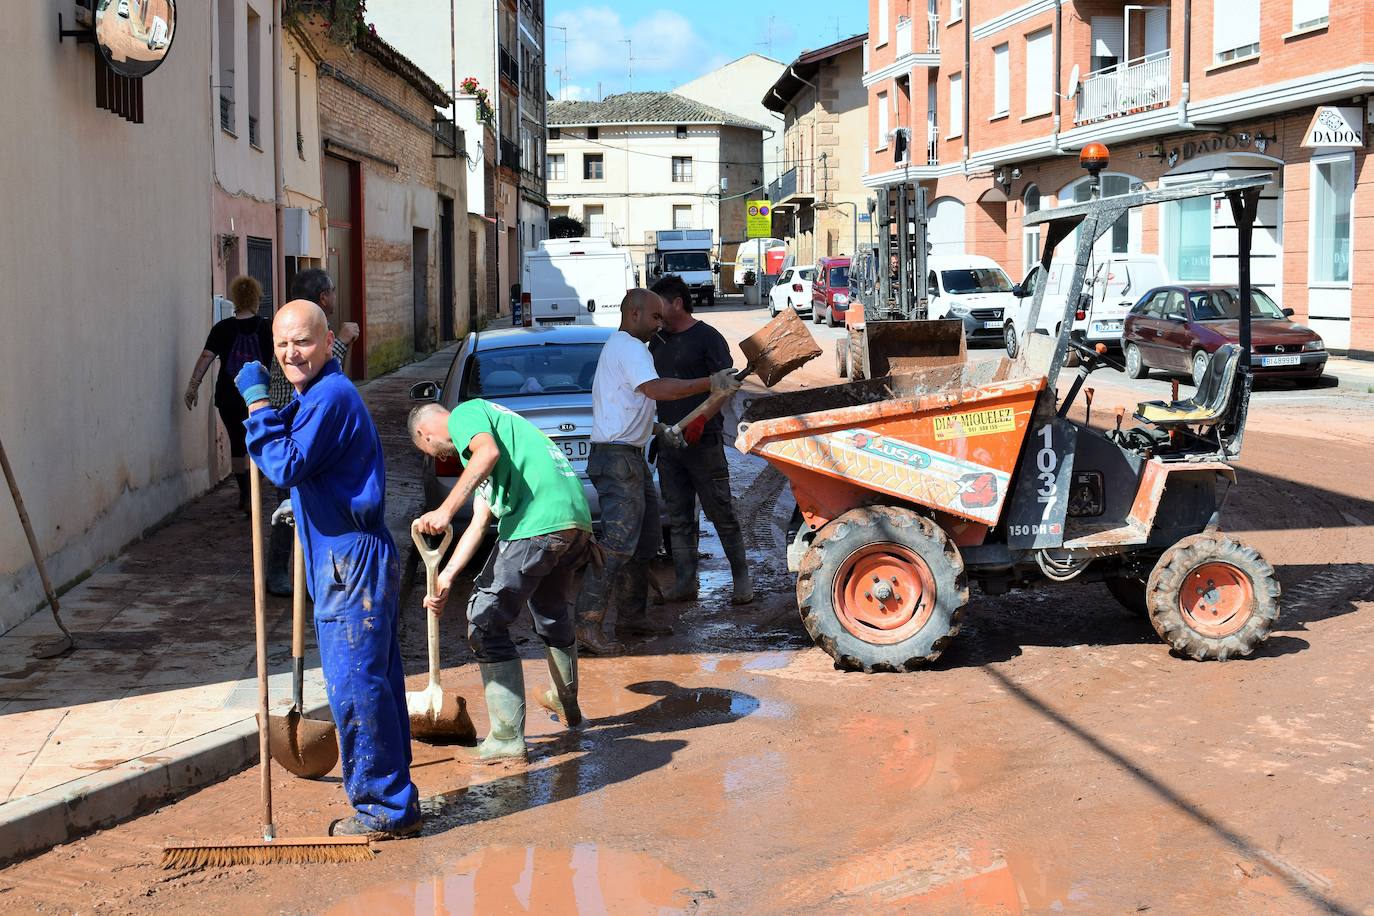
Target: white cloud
<point>665,43</point>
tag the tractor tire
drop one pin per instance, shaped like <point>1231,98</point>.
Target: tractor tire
<point>856,357</point>
<point>924,587</point>
<point>1212,597</point>
<point>1129,592</point>
<point>842,358</point>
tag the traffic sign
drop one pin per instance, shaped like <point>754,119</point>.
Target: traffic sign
<point>758,219</point>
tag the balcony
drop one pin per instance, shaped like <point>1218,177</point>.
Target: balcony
<point>792,186</point>
<point>903,36</point>
<point>932,144</point>
<point>508,66</point>
<point>933,33</point>
<point>1127,88</point>
<point>226,113</point>
<point>253,138</point>
<point>510,155</point>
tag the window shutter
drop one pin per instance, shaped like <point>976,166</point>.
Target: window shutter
<point>1109,37</point>
<point>956,105</point>
<point>1001,76</point>
<point>1039,78</point>
<point>1156,30</point>
<point>1235,24</point>
<point>1310,12</point>
<point>882,121</point>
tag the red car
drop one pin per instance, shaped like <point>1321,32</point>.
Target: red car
<point>830,291</point>
<point>1178,328</point>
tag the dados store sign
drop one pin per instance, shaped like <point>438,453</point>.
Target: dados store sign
<point>1335,127</point>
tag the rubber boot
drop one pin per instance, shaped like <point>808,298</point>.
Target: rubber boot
<point>733,546</point>
<point>503,684</point>
<point>561,697</point>
<point>686,586</point>
<point>590,636</point>
<point>279,547</point>
<point>633,618</point>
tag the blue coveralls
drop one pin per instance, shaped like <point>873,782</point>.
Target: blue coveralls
<point>325,448</point>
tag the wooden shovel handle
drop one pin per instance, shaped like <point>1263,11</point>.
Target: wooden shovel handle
<point>298,598</point>
<point>269,831</point>
<point>711,401</point>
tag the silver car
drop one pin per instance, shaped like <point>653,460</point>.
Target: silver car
<point>542,373</point>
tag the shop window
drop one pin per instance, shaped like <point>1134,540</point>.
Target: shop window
<point>1188,229</point>
<point>1333,186</point>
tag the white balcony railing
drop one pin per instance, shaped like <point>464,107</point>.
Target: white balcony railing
<point>1125,88</point>
<point>932,144</point>
<point>933,34</point>
<point>904,36</point>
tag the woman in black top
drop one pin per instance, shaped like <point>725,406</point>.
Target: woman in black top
<point>235,341</point>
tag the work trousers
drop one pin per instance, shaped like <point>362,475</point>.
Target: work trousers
<point>357,586</point>
<point>537,572</point>
<point>697,472</point>
<point>630,532</point>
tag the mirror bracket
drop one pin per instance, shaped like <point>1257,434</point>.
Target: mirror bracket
<point>82,35</point>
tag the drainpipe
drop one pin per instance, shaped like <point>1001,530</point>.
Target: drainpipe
<point>278,194</point>
<point>1058,70</point>
<point>1183,119</point>
<point>968,75</point>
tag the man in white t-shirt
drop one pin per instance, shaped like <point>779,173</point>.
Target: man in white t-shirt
<point>623,395</point>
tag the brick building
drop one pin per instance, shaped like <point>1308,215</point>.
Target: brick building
<point>987,102</point>
<point>395,188</point>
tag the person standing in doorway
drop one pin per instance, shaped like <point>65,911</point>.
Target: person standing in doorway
<point>235,342</point>
<point>687,348</point>
<point>624,390</point>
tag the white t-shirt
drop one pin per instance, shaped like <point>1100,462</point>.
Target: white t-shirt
<point>620,413</point>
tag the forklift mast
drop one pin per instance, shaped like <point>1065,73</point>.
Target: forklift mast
<point>902,224</point>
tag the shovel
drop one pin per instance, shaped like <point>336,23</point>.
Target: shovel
<point>773,352</point>
<point>436,716</point>
<point>305,747</point>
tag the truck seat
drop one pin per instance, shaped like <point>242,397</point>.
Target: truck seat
<point>1209,401</point>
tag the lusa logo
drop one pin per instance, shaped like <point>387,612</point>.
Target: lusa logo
<point>887,448</point>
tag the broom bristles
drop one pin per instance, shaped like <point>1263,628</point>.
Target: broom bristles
<point>321,850</point>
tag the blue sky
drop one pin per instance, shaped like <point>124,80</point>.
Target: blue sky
<point>677,43</point>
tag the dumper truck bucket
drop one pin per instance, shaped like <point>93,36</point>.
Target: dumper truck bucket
<point>906,347</point>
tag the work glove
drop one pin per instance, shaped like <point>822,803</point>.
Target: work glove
<point>252,382</point>
<point>724,382</point>
<point>284,515</point>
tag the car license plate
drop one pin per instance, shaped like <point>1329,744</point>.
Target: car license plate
<point>992,324</point>
<point>577,451</point>
<point>1104,327</point>
<point>1267,361</point>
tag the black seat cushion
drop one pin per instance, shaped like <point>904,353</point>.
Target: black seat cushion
<point>1208,403</point>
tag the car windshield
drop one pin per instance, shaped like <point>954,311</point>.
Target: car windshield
<point>839,276</point>
<point>678,261</point>
<point>505,372</point>
<point>975,280</point>
<point>1224,305</point>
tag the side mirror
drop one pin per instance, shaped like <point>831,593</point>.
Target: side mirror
<point>1288,313</point>
<point>424,391</point>
<point>1018,291</point>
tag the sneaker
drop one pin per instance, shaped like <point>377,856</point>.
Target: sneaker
<point>351,826</point>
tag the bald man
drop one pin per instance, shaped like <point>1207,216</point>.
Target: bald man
<point>623,395</point>
<point>324,447</point>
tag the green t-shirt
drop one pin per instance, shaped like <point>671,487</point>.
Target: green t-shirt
<point>533,489</point>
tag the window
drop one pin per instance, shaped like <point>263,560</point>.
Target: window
<point>882,121</point>
<point>593,167</point>
<point>558,167</point>
<point>1001,80</point>
<point>682,168</point>
<point>226,65</point>
<point>682,131</point>
<point>1235,29</point>
<point>1188,228</point>
<point>1039,72</point>
<point>1333,185</point>
<point>1175,307</point>
<point>956,10</point>
<point>956,105</point>
<point>254,35</point>
<point>593,133</point>
<point>554,133</point>
<point>520,371</point>
<point>594,221</point>
<point>1152,307</point>
<point>1308,14</point>
<point>882,22</point>
<point>682,216</point>
<point>1112,185</point>
<point>1109,41</point>
<point>1031,198</point>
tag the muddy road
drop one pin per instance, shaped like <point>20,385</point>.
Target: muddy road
<point>1057,758</point>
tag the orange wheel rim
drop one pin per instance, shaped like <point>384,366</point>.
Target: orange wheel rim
<point>1217,599</point>
<point>884,593</point>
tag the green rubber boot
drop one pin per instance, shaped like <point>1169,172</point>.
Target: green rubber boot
<point>561,697</point>
<point>503,684</point>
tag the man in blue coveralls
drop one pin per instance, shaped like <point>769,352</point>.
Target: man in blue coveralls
<point>324,447</point>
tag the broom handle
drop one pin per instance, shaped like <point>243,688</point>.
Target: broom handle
<point>269,831</point>
<point>297,622</point>
<point>33,541</point>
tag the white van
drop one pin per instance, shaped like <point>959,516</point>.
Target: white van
<point>157,35</point>
<point>973,289</point>
<point>1111,286</point>
<point>577,280</point>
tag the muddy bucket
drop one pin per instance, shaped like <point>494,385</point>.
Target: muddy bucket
<point>907,347</point>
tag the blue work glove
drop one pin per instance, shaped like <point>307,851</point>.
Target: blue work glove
<point>252,382</point>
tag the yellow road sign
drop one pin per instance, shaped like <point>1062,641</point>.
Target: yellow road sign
<point>758,219</point>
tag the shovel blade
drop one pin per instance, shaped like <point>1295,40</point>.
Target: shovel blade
<point>440,718</point>
<point>308,748</point>
<point>779,347</point>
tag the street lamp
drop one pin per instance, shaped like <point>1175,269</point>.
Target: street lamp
<point>1094,157</point>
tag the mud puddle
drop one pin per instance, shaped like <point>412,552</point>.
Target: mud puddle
<point>586,878</point>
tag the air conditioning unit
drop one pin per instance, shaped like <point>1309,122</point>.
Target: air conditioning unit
<point>296,224</point>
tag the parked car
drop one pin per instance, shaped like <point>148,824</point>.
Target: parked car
<point>973,289</point>
<point>1116,284</point>
<point>123,8</point>
<point>1178,328</point>
<point>793,291</point>
<point>830,291</point>
<point>542,373</point>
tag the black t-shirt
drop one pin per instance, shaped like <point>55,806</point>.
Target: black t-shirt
<point>696,352</point>
<point>231,340</point>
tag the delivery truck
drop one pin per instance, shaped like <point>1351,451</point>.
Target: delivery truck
<point>686,253</point>
<point>577,280</point>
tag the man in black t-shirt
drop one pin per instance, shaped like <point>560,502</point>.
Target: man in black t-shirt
<point>688,348</point>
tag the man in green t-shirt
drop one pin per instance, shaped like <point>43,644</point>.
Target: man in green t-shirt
<point>518,476</point>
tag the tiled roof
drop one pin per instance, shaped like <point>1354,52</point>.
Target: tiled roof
<point>642,108</point>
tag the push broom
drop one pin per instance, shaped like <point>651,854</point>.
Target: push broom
<point>271,849</point>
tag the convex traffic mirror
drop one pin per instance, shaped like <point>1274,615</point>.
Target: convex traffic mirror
<point>135,35</point>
